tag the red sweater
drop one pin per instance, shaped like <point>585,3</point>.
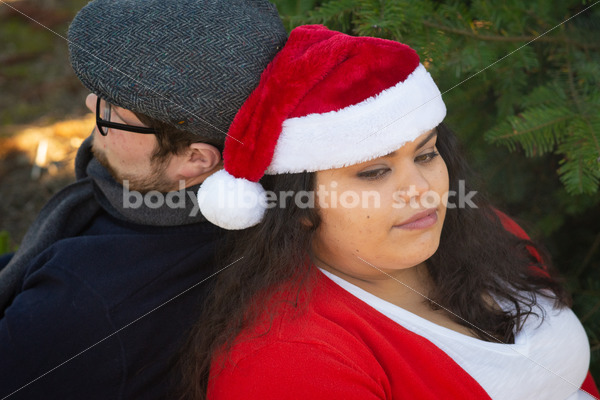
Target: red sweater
<point>338,347</point>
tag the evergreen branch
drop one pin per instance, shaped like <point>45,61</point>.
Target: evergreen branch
<point>537,130</point>
<point>592,135</point>
<point>578,103</point>
<point>576,176</point>
<point>577,100</point>
<point>517,133</point>
<point>551,95</point>
<point>498,38</point>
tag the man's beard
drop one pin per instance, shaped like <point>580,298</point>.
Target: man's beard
<point>154,180</point>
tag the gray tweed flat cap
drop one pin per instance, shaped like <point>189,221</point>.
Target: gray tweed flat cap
<point>189,63</point>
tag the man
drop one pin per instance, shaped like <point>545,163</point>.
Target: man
<point>95,304</point>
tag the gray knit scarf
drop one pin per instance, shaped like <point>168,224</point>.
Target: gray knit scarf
<point>72,209</point>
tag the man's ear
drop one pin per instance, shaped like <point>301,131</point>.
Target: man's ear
<point>200,159</point>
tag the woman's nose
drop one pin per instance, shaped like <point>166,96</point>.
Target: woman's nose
<point>413,184</point>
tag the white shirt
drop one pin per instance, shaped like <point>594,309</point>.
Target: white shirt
<point>548,361</point>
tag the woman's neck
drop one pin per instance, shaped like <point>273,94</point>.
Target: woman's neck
<point>408,288</point>
<point>405,287</point>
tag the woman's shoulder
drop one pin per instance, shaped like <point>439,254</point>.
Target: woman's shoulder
<point>320,316</point>
<point>293,369</point>
<point>295,347</point>
<point>337,346</point>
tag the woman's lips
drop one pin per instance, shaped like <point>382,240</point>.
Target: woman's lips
<point>421,220</point>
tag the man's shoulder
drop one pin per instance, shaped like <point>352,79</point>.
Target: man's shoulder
<point>128,292</point>
<point>116,260</point>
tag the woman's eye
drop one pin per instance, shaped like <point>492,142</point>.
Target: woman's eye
<point>425,158</point>
<point>373,174</point>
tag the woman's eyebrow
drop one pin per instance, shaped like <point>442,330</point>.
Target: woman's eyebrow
<point>421,143</point>
<point>427,139</point>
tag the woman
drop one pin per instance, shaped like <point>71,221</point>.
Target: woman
<point>367,270</point>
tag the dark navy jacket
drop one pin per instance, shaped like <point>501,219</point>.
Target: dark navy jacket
<point>101,315</point>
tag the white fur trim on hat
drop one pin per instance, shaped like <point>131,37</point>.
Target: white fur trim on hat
<point>360,132</point>
<point>231,203</point>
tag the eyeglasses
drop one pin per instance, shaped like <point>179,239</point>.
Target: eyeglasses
<point>103,123</point>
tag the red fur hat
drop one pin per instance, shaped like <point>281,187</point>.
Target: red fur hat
<point>327,100</point>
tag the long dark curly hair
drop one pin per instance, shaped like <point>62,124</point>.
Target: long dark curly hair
<point>476,258</point>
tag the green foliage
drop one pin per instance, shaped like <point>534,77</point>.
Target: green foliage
<point>294,7</point>
<point>6,245</point>
<point>522,86</point>
<point>20,38</point>
<point>34,61</point>
<point>532,76</point>
<point>543,89</point>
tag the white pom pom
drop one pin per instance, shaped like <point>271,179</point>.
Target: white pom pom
<point>231,203</point>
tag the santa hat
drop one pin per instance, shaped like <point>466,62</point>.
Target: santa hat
<point>327,100</point>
